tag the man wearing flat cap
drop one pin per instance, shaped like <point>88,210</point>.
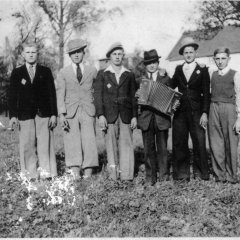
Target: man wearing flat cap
<point>154,124</point>
<point>77,111</point>
<point>115,102</point>
<point>193,82</point>
<point>224,118</point>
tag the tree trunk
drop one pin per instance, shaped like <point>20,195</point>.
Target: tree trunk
<point>61,54</point>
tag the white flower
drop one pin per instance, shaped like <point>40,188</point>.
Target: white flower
<point>23,81</point>
<point>20,219</point>
<point>198,71</point>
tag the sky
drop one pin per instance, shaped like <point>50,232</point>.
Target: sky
<point>145,24</point>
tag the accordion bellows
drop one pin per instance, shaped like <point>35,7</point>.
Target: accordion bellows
<point>158,96</point>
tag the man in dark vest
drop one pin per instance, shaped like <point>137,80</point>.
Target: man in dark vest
<point>32,105</point>
<point>154,125</point>
<point>224,118</point>
<point>193,82</point>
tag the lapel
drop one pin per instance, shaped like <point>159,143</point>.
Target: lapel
<point>123,78</point>
<point>26,74</point>
<point>36,73</point>
<point>86,73</point>
<point>112,77</point>
<point>71,74</point>
<point>182,75</point>
<point>194,74</point>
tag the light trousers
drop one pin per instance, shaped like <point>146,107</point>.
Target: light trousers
<point>120,151</point>
<point>80,141</point>
<point>37,148</point>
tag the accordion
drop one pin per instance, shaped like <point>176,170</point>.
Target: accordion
<point>158,96</point>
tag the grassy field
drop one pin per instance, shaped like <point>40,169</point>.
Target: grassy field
<point>104,208</point>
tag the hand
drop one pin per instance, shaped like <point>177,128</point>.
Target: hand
<point>204,120</point>
<point>236,126</point>
<point>176,104</point>
<point>137,94</point>
<point>52,122</point>
<point>13,122</point>
<point>102,123</point>
<point>133,123</point>
<point>63,122</point>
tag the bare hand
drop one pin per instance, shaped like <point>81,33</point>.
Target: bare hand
<point>236,126</point>
<point>13,122</point>
<point>102,123</point>
<point>176,104</point>
<point>52,122</point>
<point>133,123</point>
<point>203,121</point>
<point>63,122</point>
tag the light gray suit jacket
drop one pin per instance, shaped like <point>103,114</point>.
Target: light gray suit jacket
<point>71,94</point>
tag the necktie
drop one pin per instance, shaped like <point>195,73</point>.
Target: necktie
<point>151,76</point>
<point>31,72</point>
<point>79,73</point>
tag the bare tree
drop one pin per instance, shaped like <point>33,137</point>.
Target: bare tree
<point>65,16</point>
<point>212,16</point>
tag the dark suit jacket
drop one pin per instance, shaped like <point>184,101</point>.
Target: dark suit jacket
<point>27,99</point>
<point>163,121</point>
<point>112,99</point>
<point>196,92</point>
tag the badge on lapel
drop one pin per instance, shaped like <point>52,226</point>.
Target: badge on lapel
<point>109,85</point>
<point>198,71</point>
<point>23,82</point>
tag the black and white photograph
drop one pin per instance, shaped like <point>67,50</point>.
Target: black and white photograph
<point>120,119</point>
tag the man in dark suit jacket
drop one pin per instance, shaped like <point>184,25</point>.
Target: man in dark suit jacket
<point>154,125</point>
<point>32,105</point>
<point>114,94</point>
<point>193,82</point>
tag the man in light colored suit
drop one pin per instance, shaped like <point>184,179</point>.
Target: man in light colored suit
<point>77,111</point>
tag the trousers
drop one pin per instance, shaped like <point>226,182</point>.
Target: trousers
<point>120,151</point>
<point>223,140</point>
<point>37,148</point>
<point>155,151</point>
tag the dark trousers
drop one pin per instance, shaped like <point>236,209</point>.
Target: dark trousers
<point>155,152</point>
<point>183,124</point>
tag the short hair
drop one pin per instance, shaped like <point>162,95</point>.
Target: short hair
<point>29,44</point>
<point>222,50</point>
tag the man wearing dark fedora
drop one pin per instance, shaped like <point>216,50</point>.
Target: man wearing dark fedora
<point>154,125</point>
<point>115,102</point>
<point>77,111</point>
<point>193,82</point>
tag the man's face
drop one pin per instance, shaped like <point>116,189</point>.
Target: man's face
<point>221,60</point>
<point>116,57</point>
<point>77,56</point>
<point>30,54</point>
<point>189,54</point>
<point>152,67</point>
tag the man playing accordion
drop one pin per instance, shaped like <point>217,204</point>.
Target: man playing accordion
<point>154,124</point>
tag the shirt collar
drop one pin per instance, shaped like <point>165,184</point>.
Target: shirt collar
<point>190,65</point>
<point>74,65</point>
<point>28,65</point>
<point>224,71</point>
<point>110,69</point>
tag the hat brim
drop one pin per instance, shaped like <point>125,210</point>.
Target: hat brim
<point>112,50</point>
<point>195,45</point>
<point>151,60</point>
<point>77,48</point>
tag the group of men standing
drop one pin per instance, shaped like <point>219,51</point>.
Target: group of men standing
<point>80,94</point>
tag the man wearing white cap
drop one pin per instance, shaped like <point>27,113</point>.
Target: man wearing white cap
<point>115,102</point>
<point>224,118</point>
<point>193,82</point>
<point>77,111</point>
